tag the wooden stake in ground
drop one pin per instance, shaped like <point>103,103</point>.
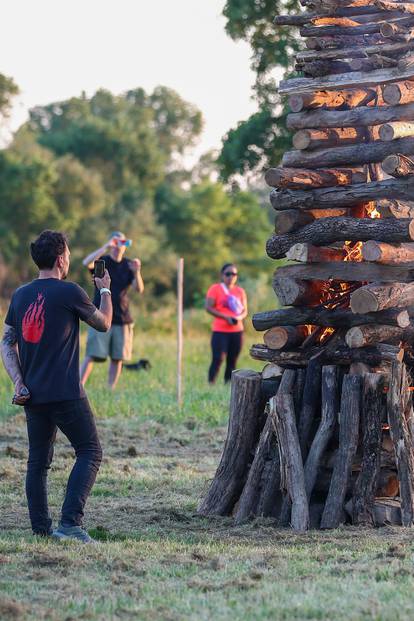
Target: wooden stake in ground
<point>180,289</point>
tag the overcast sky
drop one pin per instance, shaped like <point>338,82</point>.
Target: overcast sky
<point>56,49</point>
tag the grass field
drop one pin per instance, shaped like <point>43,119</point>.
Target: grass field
<point>159,560</point>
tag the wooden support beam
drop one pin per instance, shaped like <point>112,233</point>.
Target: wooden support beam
<point>372,298</point>
<point>388,254</point>
<point>371,413</point>
<point>361,336</point>
<point>363,116</point>
<point>345,196</point>
<point>328,230</point>
<point>352,155</point>
<point>338,318</point>
<point>348,440</point>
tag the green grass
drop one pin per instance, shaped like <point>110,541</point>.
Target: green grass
<point>158,559</point>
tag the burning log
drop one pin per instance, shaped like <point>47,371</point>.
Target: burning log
<point>306,253</point>
<point>360,336</point>
<point>341,355</point>
<point>282,337</point>
<point>245,411</point>
<point>373,298</point>
<point>372,403</point>
<point>328,230</point>
<point>403,442</point>
<point>338,318</point>
<point>387,254</point>
<point>398,166</point>
<point>323,138</point>
<point>348,439</point>
<point>331,99</point>
<point>395,209</point>
<point>300,179</point>
<point>349,272</point>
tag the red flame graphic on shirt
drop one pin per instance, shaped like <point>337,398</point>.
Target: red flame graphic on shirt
<point>33,322</point>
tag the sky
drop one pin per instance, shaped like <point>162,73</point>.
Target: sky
<point>55,50</point>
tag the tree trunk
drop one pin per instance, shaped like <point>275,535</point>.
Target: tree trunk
<point>348,439</point>
<point>364,493</point>
<point>242,436</point>
<point>373,298</point>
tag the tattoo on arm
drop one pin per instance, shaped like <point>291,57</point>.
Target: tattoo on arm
<point>9,336</point>
<point>98,321</point>
<point>9,354</point>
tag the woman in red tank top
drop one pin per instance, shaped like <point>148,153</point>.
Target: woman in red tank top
<point>227,302</point>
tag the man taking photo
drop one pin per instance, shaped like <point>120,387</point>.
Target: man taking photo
<point>40,352</point>
<point>117,343</point>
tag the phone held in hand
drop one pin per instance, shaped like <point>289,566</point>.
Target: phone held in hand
<point>99,268</point>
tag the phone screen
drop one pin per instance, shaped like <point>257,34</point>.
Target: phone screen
<point>99,268</point>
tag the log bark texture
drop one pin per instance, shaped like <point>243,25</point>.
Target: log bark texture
<point>398,166</point>
<point>323,138</point>
<point>372,298</point>
<point>399,279</point>
<point>331,99</point>
<point>300,179</point>
<point>388,254</point>
<point>306,253</point>
<point>295,291</point>
<point>361,336</point>
<point>371,411</point>
<point>242,436</point>
<point>348,439</point>
<point>282,337</point>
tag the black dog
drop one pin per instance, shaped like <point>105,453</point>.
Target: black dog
<point>137,366</point>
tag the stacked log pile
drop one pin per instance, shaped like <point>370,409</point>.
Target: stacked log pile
<point>324,435</point>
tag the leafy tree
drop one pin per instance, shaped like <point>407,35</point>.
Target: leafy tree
<point>260,140</point>
<point>8,90</point>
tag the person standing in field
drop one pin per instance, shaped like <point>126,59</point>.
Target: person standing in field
<point>227,302</point>
<point>117,343</point>
<point>40,352</point>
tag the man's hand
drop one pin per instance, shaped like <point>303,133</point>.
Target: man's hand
<point>135,265</point>
<point>21,393</point>
<point>104,282</point>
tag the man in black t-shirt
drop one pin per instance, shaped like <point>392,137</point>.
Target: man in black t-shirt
<point>40,351</point>
<point>117,343</point>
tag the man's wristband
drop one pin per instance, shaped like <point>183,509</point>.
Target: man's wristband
<point>105,290</point>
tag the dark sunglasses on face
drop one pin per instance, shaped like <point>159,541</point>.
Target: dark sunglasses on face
<point>230,273</point>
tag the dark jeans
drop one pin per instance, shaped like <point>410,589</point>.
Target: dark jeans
<point>75,419</point>
<point>224,344</point>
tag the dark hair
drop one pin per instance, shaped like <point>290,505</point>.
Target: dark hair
<point>225,266</point>
<point>47,248</point>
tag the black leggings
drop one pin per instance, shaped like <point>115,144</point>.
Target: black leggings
<point>224,344</point>
<point>76,421</point>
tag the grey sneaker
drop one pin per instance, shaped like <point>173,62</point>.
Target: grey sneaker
<point>75,533</point>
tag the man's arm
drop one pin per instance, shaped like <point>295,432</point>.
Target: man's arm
<point>101,319</point>
<point>95,255</point>
<point>138,282</point>
<point>11,363</point>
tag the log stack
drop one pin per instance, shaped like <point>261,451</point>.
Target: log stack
<point>333,429</point>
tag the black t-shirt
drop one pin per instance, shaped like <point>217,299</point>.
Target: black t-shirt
<point>121,279</point>
<point>45,314</point>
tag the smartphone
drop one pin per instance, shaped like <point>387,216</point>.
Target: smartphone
<point>99,268</point>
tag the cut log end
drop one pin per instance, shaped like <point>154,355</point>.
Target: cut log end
<point>363,301</point>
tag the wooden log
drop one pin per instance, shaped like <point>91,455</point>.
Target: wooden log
<point>356,117</point>
<point>331,99</point>
<point>282,337</point>
<point>398,93</point>
<point>290,291</point>
<point>323,138</point>
<point>300,179</point>
<point>311,403</point>
<point>353,79</point>
<point>361,336</point>
<point>328,230</point>
<point>271,371</point>
<point>348,439</point>
<point>395,209</point>
<point>389,275</point>
<point>398,129</point>
<point>388,254</point>
<point>372,298</point>
<point>348,156</point>
<point>306,253</point>
<point>264,473</point>
<point>338,318</point>
<point>347,18</point>
<point>389,49</point>
<point>345,41</point>
<point>398,24</point>
<point>402,442</point>
<point>242,437</point>
<point>282,411</point>
<point>386,5</point>
<point>366,485</point>
<point>329,412</point>
<point>346,196</point>
<point>398,166</point>
<point>294,219</point>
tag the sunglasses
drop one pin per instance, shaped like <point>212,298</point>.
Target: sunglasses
<point>230,274</point>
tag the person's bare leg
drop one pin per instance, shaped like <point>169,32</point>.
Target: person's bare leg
<point>115,368</point>
<point>86,369</point>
